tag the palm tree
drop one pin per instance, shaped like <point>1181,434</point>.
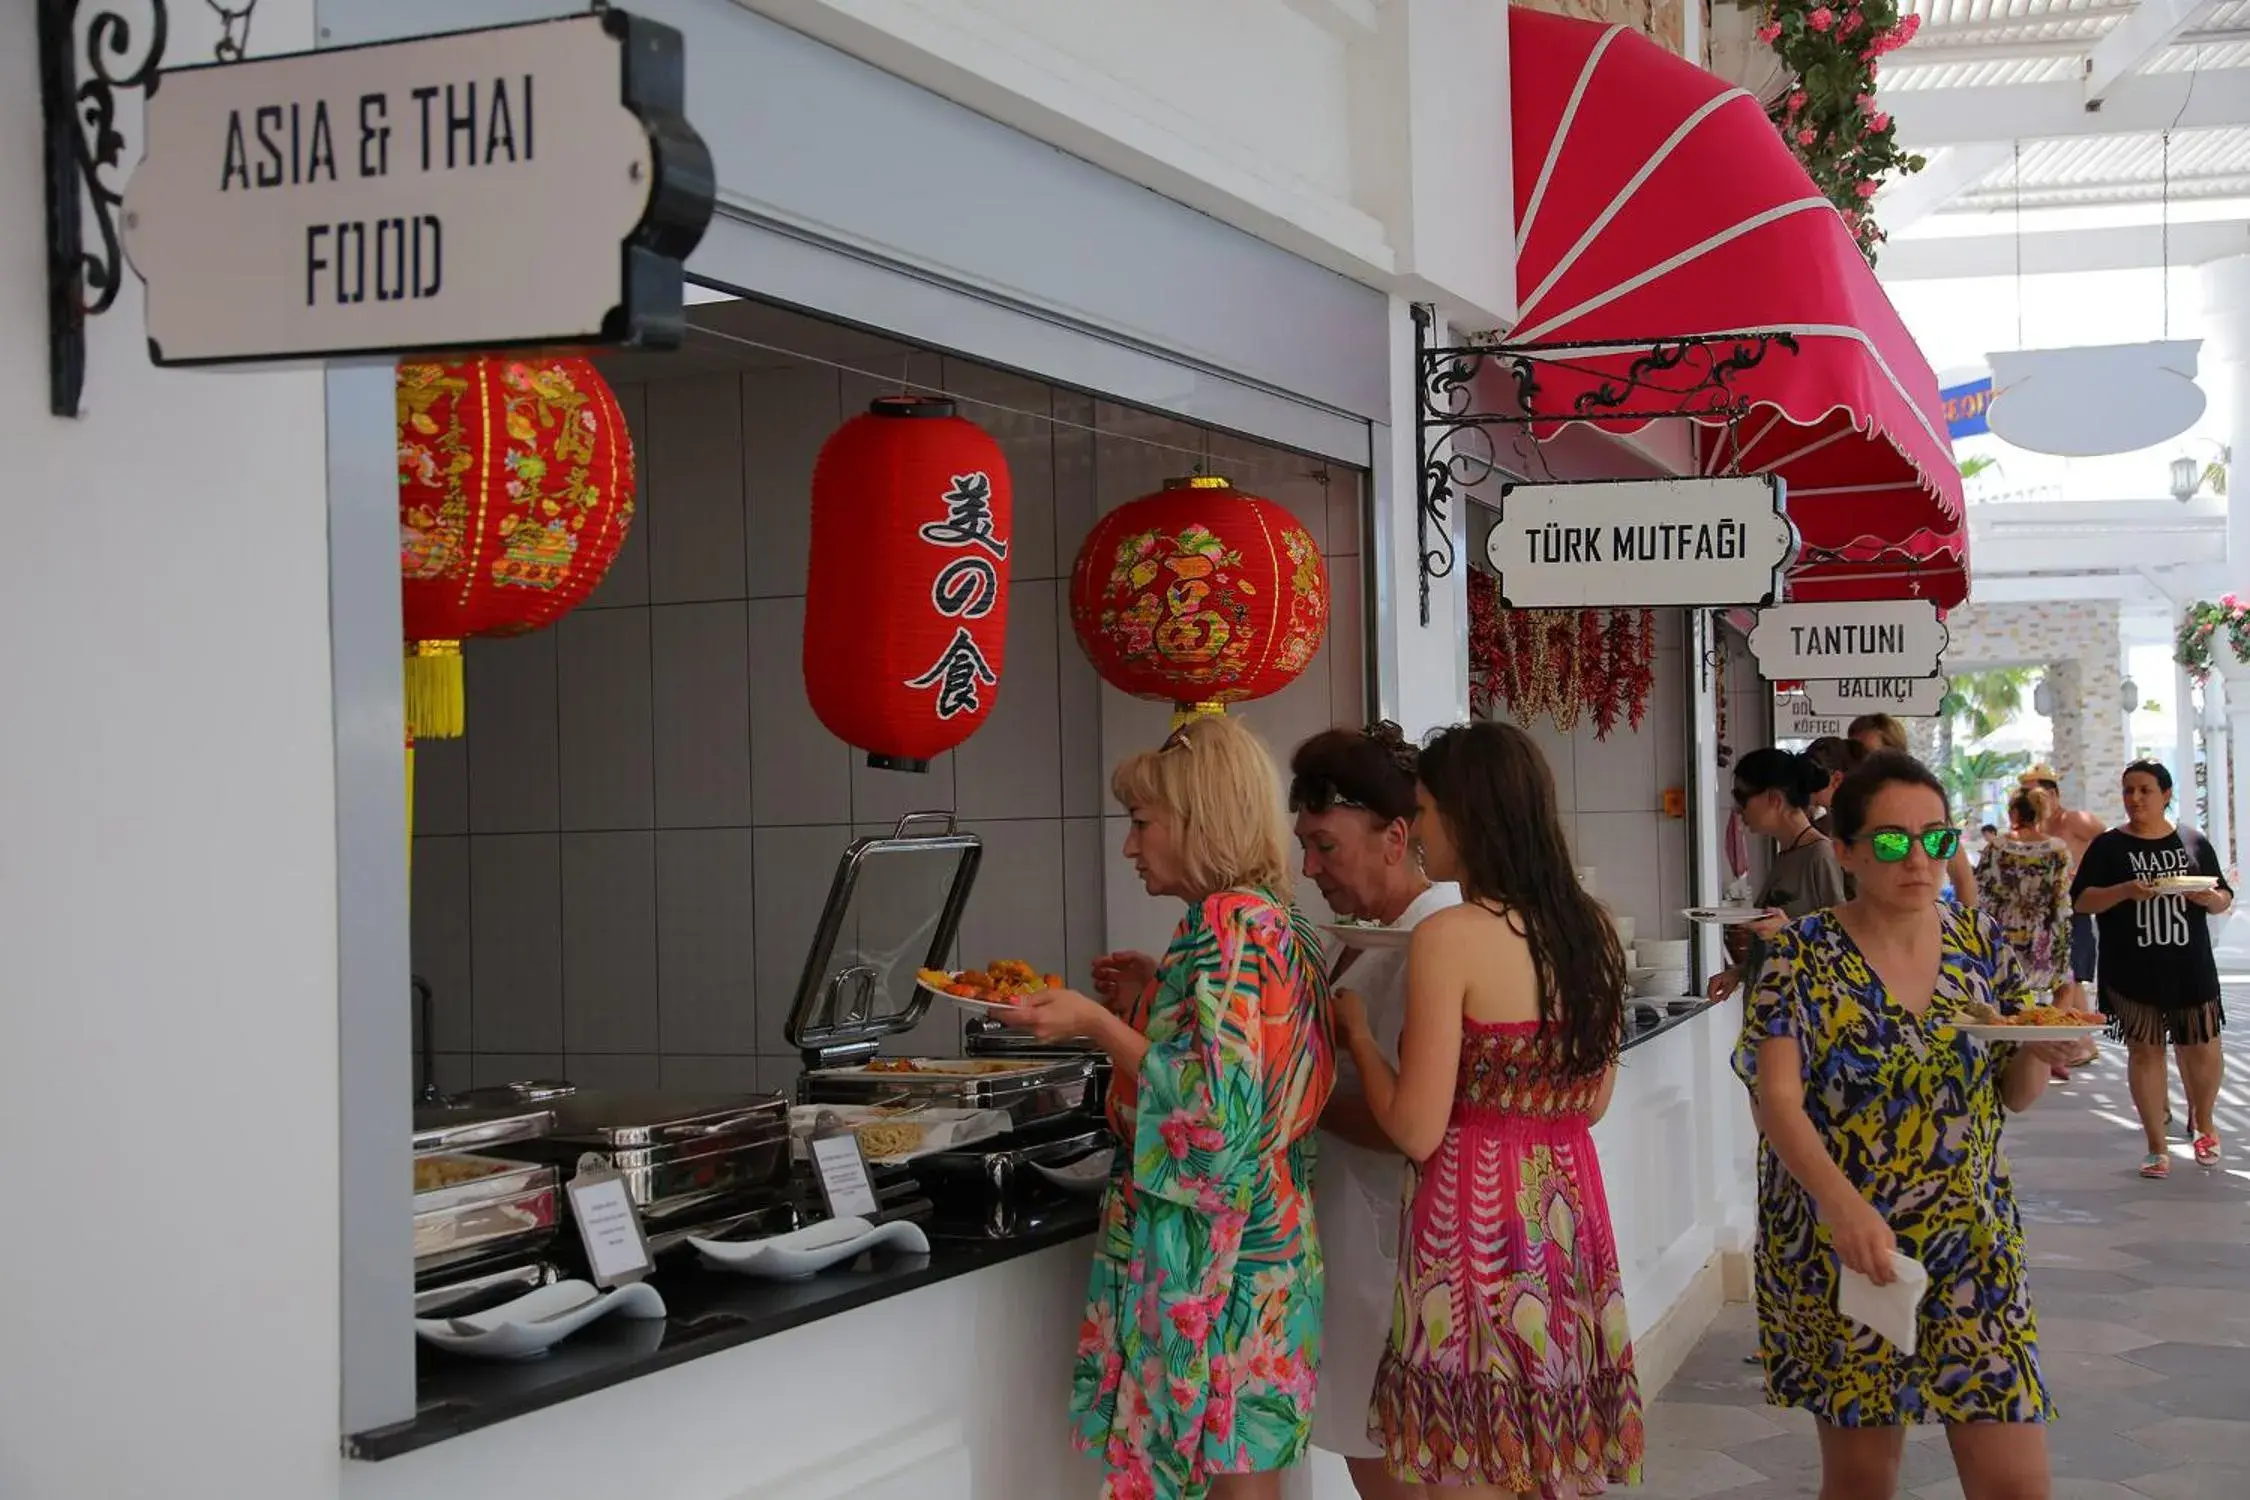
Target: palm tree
<point>1980,703</point>
<point>1968,777</point>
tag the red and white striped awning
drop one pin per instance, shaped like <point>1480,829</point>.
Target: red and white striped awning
<point>1654,202</point>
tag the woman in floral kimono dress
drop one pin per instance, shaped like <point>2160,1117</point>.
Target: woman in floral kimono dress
<point>1202,1333</point>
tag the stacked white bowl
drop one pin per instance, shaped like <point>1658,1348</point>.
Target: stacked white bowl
<point>1660,968</point>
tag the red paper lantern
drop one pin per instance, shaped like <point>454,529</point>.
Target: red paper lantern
<point>906,602</point>
<point>515,490</point>
<point>1199,595</point>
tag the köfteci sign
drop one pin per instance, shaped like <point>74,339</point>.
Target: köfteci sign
<point>524,185</point>
<point>1888,638</point>
<point>1794,719</point>
<point>1900,697</point>
<point>1641,542</point>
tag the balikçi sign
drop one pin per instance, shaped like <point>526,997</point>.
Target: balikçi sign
<point>1900,697</point>
<point>532,184</point>
<point>1887,638</point>
<point>1641,542</point>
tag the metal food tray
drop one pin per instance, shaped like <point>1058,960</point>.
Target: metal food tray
<point>1037,1089</point>
<point>674,1151</point>
<point>510,1208</point>
<point>454,1129</point>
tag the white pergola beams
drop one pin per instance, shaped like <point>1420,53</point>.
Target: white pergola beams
<point>1951,171</point>
<point>2152,26</point>
<point>2047,252</point>
<point>2143,104</point>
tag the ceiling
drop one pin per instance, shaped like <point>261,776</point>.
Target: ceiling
<point>2043,119</point>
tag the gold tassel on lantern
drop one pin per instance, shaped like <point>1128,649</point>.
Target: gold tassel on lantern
<point>434,696</point>
<point>1184,714</point>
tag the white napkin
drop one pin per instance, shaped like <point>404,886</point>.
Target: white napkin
<point>1890,1310</point>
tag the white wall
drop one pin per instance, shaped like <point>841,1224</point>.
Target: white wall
<point>1371,138</point>
<point>166,890</point>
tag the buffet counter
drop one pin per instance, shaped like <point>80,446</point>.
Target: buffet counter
<point>1676,1152</point>
<point>942,1377</point>
<point>709,1312</point>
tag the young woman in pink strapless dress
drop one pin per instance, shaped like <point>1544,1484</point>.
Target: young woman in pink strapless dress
<point>1510,1364</point>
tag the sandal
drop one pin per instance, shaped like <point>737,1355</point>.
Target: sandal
<point>2156,1164</point>
<point>2207,1149</point>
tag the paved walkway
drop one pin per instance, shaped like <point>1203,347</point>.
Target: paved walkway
<point>2143,1295</point>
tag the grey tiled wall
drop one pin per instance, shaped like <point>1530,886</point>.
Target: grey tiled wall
<point>617,872</point>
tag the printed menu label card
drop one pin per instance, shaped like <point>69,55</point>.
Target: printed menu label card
<point>844,1180</point>
<point>610,1228</point>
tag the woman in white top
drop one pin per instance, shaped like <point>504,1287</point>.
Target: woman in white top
<point>1353,795</point>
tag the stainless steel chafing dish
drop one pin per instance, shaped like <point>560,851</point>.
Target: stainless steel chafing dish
<point>1027,1088</point>
<point>478,1208</point>
<point>677,1153</point>
<point>473,1209</point>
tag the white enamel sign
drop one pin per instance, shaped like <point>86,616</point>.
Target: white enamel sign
<point>1794,719</point>
<point>1889,638</point>
<point>1900,697</point>
<point>530,184</point>
<point>1641,542</point>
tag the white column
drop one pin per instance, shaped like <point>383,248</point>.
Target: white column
<point>2226,304</point>
<point>2216,759</point>
<point>2183,716</point>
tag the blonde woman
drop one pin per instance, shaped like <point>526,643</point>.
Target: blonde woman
<point>1202,1333</point>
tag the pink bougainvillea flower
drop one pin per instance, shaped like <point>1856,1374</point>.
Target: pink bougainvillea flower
<point>1770,32</point>
<point>1796,101</point>
<point>1807,137</point>
<point>1821,19</point>
<point>1880,120</point>
<point>1865,189</point>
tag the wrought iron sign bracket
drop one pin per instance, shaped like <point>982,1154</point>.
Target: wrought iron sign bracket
<point>90,52</point>
<point>1671,379</point>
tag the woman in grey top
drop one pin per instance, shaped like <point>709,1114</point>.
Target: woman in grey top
<point>1775,790</point>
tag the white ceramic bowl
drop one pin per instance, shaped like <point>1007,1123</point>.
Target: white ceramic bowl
<point>1660,984</point>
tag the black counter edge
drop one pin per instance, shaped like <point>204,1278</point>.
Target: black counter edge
<point>947,1261</point>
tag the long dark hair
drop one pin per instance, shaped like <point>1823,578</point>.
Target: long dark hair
<point>1497,796</point>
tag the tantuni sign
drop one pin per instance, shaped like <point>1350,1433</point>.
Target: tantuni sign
<point>1889,638</point>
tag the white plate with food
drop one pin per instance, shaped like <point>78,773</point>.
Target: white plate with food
<point>1368,937</point>
<point>2039,1023</point>
<point>2004,1032</point>
<point>993,987</point>
<point>813,1249</point>
<point>2180,885</point>
<point>537,1321</point>
<point>1725,916</point>
<point>1089,1174</point>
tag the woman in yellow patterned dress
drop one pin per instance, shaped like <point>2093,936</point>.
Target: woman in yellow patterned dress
<point>1881,1122</point>
<point>1197,1357</point>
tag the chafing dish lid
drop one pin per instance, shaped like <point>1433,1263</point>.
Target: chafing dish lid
<point>894,907</point>
<point>455,1128</point>
<point>603,1117</point>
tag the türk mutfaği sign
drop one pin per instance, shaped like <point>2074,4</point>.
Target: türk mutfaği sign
<point>1641,542</point>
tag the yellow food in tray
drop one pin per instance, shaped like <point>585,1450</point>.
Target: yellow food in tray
<point>999,981</point>
<point>434,1172</point>
<point>886,1138</point>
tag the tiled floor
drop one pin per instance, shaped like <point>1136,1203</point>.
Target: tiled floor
<point>2143,1295</point>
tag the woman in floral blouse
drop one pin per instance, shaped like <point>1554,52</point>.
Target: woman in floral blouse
<point>1202,1331</point>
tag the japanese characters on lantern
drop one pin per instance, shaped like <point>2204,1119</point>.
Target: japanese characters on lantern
<point>906,602</point>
